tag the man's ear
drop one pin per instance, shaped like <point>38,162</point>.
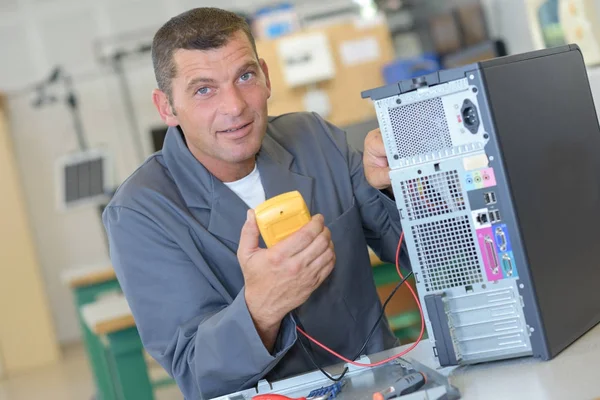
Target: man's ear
<point>162,104</point>
<point>265,69</point>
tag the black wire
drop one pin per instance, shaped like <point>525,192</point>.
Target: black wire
<point>358,354</point>
<point>339,378</point>
<point>314,363</point>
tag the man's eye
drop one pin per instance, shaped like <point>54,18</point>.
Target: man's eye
<point>246,76</point>
<point>203,91</point>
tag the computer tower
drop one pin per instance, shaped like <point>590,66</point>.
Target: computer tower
<point>495,168</point>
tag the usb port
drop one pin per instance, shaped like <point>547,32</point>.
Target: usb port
<point>490,197</point>
<point>496,215</point>
<point>492,217</point>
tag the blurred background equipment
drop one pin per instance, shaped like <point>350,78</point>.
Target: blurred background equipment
<point>275,21</point>
<point>450,34</point>
<point>43,98</point>
<point>557,22</point>
<point>483,51</point>
<point>82,176</point>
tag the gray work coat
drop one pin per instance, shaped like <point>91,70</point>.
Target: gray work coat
<point>174,229</point>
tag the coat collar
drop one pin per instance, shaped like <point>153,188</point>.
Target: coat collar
<point>201,189</point>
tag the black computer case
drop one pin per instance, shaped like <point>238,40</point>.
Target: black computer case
<point>540,133</point>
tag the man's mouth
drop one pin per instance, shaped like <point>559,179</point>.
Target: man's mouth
<point>236,128</point>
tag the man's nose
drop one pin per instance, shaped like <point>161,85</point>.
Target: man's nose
<point>233,102</point>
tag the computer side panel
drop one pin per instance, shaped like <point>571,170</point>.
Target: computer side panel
<point>549,140</point>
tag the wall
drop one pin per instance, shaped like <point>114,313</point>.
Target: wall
<point>36,35</point>
<point>508,20</point>
<point>27,336</point>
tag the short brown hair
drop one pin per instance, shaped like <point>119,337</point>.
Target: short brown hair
<point>201,28</point>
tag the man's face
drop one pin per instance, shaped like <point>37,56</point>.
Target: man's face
<point>219,99</point>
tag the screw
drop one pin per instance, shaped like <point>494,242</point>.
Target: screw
<point>474,90</point>
<point>522,286</point>
<point>471,77</point>
<point>398,101</point>
<point>485,136</point>
<point>396,156</point>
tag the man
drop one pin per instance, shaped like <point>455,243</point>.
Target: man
<point>211,303</point>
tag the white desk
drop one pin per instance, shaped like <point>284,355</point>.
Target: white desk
<point>572,375</point>
<point>108,315</point>
<point>89,275</point>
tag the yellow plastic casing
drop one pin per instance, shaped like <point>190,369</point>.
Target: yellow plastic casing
<point>280,216</point>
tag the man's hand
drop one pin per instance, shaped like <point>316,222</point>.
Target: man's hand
<point>281,278</point>
<point>375,161</point>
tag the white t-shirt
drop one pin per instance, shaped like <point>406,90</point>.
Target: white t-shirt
<point>249,188</point>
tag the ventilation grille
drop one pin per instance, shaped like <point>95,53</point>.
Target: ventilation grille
<point>84,180</point>
<point>447,254</point>
<point>420,128</point>
<point>433,195</point>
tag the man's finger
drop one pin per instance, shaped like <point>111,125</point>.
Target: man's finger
<point>322,260</point>
<point>315,248</point>
<point>302,238</point>
<point>374,144</point>
<point>378,177</point>
<point>325,270</point>
<point>249,236</point>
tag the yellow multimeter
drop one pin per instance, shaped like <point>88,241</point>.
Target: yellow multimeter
<point>280,216</point>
